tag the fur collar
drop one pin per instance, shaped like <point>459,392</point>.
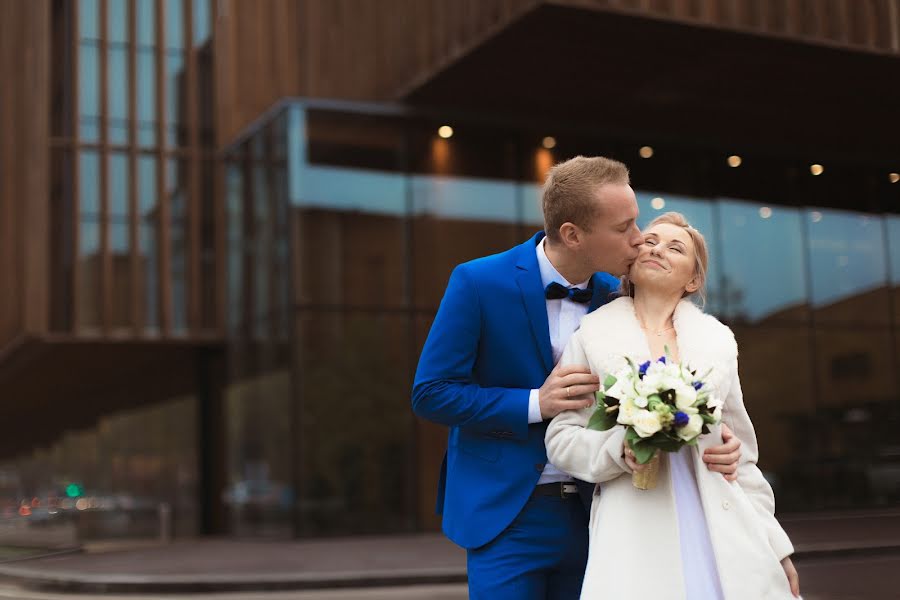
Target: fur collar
<point>613,331</point>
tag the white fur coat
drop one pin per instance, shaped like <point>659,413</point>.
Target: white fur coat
<point>634,547</point>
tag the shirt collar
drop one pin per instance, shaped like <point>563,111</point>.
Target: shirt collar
<point>549,274</point>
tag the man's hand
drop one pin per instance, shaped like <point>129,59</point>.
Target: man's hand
<point>724,459</point>
<point>793,577</point>
<point>567,388</point>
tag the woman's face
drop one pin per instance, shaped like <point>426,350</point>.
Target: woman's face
<point>666,260</point>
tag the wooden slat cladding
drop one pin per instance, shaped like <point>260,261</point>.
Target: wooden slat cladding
<point>24,164</point>
<point>871,25</point>
<point>350,49</point>
<point>379,49</point>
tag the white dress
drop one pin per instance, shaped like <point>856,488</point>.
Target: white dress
<point>701,576</point>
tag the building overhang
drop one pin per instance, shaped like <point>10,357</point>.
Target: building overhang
<point>648,79</point>
<point>55,383</point>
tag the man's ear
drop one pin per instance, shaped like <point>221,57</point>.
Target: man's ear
<point>569,234</point>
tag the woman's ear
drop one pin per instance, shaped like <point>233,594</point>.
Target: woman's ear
<point>693,285</point>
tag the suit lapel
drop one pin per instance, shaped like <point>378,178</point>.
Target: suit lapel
<point>601,292</point>
<point>528,277</point>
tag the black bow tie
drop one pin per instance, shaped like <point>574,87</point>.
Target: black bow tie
<point>557,291</point>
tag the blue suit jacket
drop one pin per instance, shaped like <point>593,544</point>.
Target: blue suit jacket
<point>488,347</point>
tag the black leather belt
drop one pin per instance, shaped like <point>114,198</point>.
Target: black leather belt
<point>562,489</point>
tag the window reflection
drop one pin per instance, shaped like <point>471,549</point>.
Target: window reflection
<point>118,95</point>
<point>145,15</point>
<point>120,238</point>
<point>177,196</point>
<point>146,97</point>
<point>149,239</point>
<point>89,91</point>
<point>117,21</point>
<point>763,262</point>
<point>848,267</point>
<point>174,10</point>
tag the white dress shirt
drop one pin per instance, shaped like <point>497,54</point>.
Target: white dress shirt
<point>563,316</point>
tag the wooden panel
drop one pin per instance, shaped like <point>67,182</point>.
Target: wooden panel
<point>24,168</point>
<point>349,49</point>
<point>366,50</point>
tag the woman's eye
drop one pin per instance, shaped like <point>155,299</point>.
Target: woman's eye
<point>678,249</point>
<point>649,242</point>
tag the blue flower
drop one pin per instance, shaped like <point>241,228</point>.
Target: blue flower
<point>662,359</point>
<point>698,385</point>
<point>681,419</point>
<point>642,369</point>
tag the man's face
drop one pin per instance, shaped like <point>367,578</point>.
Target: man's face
<point>613,242</point>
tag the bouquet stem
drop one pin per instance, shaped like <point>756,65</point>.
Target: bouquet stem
<point>646,479</point>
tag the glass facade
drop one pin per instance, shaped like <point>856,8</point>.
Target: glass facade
<point>331,230</point>
<point>134,73</point>
<point>379,209</point>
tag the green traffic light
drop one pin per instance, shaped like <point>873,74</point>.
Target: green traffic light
<point>73,490</point>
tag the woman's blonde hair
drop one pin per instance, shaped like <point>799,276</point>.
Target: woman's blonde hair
<point>700,252</point>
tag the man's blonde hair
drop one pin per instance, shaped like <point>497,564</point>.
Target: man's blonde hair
<point>701,254</point>
<point>571,188</point>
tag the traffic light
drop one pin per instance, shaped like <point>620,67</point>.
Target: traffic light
<point>73,490</point>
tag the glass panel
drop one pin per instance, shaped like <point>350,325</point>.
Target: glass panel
<point>202,21</point>
<point>263,244</point>
<point>700,214</point>
<point>89,19</point>
<point>146,97</point>
<point>174,24</point>
<point>117,20</point>
<point>175,134</point>
<point>89,241</point>
<point>260,492</point>
<point>118,95</point>
<point>855,430</point>
<point>120,471</point>
<point>89,92</point>
<point>848,264</point>
<point>456,220</point>
<point>892,225</point>
<point>764,263</point>
<point>339,355</point>
<point>236,247</point>
<point>149,239</point>
<point>775,364</point>
<point>120,238</point>
<point>145,13</point>
<point>177,193</point>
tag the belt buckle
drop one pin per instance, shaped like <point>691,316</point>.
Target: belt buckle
<point>567,488</point>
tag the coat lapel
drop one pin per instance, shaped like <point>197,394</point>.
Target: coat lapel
<point>528,277</point>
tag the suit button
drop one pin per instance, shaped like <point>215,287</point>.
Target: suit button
<point>539,467</point>
<point>726,504</point>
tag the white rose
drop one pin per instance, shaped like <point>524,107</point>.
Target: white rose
<point>622,389</point>
<point>627,410</point>
<point>641,401</point>
<point>685,395</point>
<point>646,423</point>
<point>647,386</point>
<point>692,429</point>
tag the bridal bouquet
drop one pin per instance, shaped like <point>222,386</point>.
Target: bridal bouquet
<point>663,406</point>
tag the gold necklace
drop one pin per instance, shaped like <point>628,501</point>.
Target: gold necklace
<point>656,333</point>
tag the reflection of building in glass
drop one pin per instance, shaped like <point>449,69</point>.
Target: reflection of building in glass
<point>232,247</point>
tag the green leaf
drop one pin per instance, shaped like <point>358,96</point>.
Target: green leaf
<point>643,451</point>
<point>709,419</point>
<point>609,381</point>
<point>602,420</point>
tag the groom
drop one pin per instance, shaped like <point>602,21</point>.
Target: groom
<point>487,372</point>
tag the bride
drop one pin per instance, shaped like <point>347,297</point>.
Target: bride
<point>695,536</point>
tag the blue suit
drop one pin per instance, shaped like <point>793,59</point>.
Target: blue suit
<point>488,347</point>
